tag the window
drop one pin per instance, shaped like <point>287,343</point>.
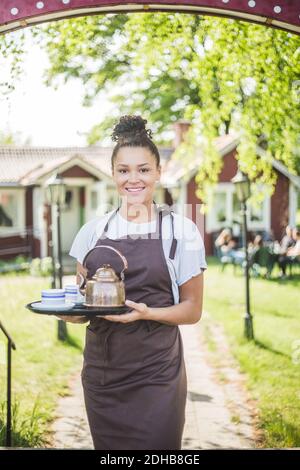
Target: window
<point>256,213</point>
<point>11,210</point>
<point>298,209</point>
<point>226,210</point>
<point>68,200</point>
<point>220,206</point>
<point>8,209</point>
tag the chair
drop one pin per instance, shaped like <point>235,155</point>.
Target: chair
<point>262,258</point>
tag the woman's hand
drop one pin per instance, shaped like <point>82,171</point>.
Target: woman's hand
<point>73,319</point>
<point>140,312</point>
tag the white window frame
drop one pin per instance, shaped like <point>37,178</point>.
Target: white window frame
<point>20,227</point>
<point>293,205</point>
<point>228,188</point>
<point>100,187</point>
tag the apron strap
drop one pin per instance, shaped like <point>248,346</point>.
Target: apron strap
<point>162,212</point>
<point>109,219</point>
<point>174,240</point>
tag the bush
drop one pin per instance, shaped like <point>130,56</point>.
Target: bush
<point>46,266</point>
<point>35,267</point>
<point>20,263</point>
<point>41,267</point>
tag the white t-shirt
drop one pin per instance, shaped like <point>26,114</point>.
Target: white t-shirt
<point>189,260</point>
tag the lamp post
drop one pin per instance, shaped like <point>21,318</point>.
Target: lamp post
<point>56,195</point>
<point>242,186</point>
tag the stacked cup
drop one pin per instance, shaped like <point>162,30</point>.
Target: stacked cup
<point>57,297</point>
<point>72,294</point>
<point>53,297</point>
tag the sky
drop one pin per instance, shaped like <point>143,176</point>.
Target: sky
<point>48,117</point>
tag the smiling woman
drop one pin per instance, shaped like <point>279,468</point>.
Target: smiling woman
<point>134,375</point>
<point>135,167</point>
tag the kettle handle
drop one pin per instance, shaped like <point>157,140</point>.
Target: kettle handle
<point>116,251</point>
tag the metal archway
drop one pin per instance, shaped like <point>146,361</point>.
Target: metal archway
<point>283,14</point>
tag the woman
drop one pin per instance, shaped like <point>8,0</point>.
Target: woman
<point>134,375</point>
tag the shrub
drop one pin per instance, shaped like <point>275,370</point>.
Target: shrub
<point>41,267</point>
<point>35,267</point>
<point>46,266</point>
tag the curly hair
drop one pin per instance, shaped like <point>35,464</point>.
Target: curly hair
<point>131,131</point>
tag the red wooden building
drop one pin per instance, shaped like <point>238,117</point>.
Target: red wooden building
<point>273,214</point>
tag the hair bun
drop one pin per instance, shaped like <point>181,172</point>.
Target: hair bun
<point>130,126</point>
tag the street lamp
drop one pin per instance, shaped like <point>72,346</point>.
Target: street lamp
<point>242,186</point>
<point>56,195</point>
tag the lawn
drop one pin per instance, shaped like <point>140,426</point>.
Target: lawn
<point>41,364</point>
<point>272,361</point>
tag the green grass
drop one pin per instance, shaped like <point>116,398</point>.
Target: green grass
<point>272,361</point>
<point>41,365</point>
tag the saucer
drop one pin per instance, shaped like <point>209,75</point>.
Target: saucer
<point>49,307</point>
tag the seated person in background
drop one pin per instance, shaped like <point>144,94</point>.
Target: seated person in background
<point>226,246</point>
<point>255,245</point>
<point>223,240</point>
<point>292,249</point>
<point>287,240</point>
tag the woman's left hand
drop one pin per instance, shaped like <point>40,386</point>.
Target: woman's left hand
<point>139,312</point>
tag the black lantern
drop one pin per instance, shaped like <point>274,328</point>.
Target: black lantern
<point>242,187</point>
<point>56,190</point>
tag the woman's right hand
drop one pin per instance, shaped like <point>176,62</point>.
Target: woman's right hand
<point>73,319</point>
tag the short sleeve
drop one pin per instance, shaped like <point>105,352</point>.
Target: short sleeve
<point>191,252</point>
<point>83,241</point>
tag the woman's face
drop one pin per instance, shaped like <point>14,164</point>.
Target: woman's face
<point>135,173</point>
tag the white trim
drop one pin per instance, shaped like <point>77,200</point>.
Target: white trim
<point>70,181</point>
<point>70,219</point>
<point>293,203</point>
<point>228,188</point>
<point>100,175</point>
<point>20,227</point>
<point>100,187</point>
<point>39,222</point>
<point>182,199</point>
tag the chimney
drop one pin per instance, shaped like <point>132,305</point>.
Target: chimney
<point>180,128</point>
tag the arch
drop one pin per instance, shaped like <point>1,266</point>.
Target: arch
<point>283,14</point>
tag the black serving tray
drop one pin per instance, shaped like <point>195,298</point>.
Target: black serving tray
<point>80,309</point>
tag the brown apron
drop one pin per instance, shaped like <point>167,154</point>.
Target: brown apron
<point>134,376</point>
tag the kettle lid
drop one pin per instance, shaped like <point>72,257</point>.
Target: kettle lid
<point>106,274</point>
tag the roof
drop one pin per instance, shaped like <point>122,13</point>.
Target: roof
<point>21,166</point>
<point>175,170</point>
<point>24,165</point>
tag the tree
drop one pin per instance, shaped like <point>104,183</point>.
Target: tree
<point>11,56</point>
<point>221,74</point>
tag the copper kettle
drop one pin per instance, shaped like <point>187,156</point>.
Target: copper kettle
<point>105,288</point>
